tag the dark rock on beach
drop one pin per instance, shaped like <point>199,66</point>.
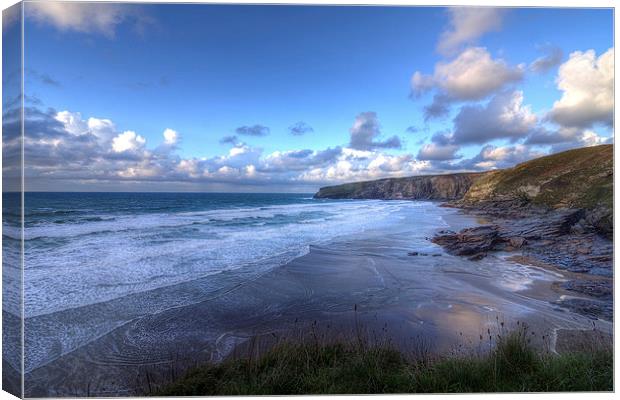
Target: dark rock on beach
<point>546,236</point>
<point>602,289</point>
<point>592,308</point>
<point>470,241</point>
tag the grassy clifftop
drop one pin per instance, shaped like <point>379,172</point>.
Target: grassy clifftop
<point>580,178</point>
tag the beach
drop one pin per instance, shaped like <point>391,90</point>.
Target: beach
<point>364,279</point>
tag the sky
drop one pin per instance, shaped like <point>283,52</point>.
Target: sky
<point>180,97</point>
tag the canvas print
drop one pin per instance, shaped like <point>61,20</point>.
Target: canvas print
<point>234,199</point>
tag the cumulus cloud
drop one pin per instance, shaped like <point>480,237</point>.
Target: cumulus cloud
<point>170,137</point>
<point>587,85</point>
<point>467,24</point>
<point>254,130</point>
<point>101,128</point>
<point>65,148</point>
<point>494,157</point>
<point>441,148</point>
<point>473,75</point>
<point>300,128</point>
<point>128,141</point>
<point>438,152</point>
<point>547,137</point>
<point>586,138</point>
<point>72,122</point>
<point>503,117</point>
<point>366,131</point>
<point>100,18</point>
<point>565,138</point>
<point>297,160</point>
<point>356,165</point>
<point>553,57</point>
<point>412,129</point>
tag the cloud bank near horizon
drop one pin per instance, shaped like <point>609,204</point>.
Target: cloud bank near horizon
<point>474,94</point>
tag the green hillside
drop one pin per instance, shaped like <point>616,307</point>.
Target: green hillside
<point>580,178</point>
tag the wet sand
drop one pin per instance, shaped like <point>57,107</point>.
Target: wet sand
<point>366,282</point>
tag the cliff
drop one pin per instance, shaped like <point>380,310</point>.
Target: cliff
<point>578,179</point>
<point>428,187</point>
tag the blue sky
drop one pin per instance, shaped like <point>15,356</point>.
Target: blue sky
<point>344,73</point>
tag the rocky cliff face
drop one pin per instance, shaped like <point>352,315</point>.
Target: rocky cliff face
<point>429,187</point>
<point>577,179</point>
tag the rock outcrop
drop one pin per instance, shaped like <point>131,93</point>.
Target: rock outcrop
<point>547,239</point>
<point>426,187</point>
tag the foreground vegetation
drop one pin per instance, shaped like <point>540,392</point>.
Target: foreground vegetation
<point>313,368</point>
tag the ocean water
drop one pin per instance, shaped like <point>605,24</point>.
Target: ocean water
<point>96,261</point>
<point>87,248</point>
<point>115,281</point>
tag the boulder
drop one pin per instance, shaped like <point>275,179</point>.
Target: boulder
<point>471,241</point>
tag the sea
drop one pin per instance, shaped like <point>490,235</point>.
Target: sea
<point>83,249</point>
<point>119,284</point>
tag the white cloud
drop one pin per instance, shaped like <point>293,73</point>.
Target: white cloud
<point>236,151</point>
<point>569,138</point>
<point>504,116</point>
<point>128,141</point>
<point>492,157</point>
<point>438,152</point>
<point>189,168</point>
<point>52,149</point>
<point>587,85</point>
<point>473,75</point>
<point>296,160</point>
<point>352,165</point>
<point>170,136</point>
<point>72,122</point>
<point>144,169</point>
<point>81,17</point>
<point>104,129</point>
<point>591,138</point>
<point>467,24</point>
<point>250,170</point>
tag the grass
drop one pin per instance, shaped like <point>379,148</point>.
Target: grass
<point>355,367</point>
<point>580,178</point>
